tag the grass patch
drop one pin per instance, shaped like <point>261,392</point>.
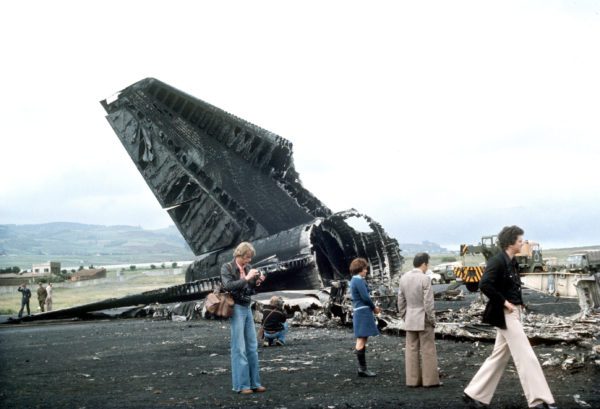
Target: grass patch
<point>71,294</point>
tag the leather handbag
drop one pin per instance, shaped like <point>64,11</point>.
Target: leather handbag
<point>220,304</point>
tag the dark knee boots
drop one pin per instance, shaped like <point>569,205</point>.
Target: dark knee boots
<point>362,363</point>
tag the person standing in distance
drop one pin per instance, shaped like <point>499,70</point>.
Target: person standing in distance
<point>239,278</point>
<point>501,284</point>
<point>415,306</point>
<point>25,296</point>
<point>363,320</point>
<point>42,294</point>
<point>49,297</point>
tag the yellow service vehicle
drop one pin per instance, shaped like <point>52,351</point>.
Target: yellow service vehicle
<point>471,275</point>
<point>529,259</point>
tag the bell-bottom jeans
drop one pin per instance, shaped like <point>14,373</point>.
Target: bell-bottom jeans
<point>280,334</point>
<point>244,354</point>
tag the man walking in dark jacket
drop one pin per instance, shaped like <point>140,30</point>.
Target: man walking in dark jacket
<point>502,285</point>
<point>25,296</point>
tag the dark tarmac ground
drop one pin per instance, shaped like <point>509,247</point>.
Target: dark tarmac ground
<point>144,363</point>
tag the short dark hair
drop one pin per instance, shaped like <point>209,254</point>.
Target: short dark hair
<point>358,265</point>
<point>420,258</point>
<point>509,235</point>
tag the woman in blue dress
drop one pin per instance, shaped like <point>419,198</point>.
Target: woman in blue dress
<point>363,319</point>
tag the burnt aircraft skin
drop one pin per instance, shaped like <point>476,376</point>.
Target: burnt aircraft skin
<point>313,255</point>
<point>224,180</point>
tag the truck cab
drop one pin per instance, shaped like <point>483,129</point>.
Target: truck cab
<point>530,258</point>
<point>587,261</point>
<point>576,262</point>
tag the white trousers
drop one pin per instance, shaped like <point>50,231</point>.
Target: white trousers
<point>511,341</point>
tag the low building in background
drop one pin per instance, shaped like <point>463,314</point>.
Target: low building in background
<point>39,273</point>
<point>89,274</point>
<point>44,269</point>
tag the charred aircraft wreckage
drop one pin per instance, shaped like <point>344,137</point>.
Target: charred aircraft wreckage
<point>224,180</point>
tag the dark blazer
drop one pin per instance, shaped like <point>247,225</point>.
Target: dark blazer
<point>25,292</point>
<point>240,289</point>
<point>495,284</point>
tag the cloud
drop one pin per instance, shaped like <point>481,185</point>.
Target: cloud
<point>93,194</point>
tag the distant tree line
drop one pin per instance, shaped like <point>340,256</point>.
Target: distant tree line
<point>66,275</point>
<point>6,270</point>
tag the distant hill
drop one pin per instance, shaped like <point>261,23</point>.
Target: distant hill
<point>75,243</point>
<point>426,246</point>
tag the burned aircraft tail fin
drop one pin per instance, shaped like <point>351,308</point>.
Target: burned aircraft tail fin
<point>221,179</point>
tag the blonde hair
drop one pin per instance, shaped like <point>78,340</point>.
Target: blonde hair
<point>244,248</point>
<point>276,301</point>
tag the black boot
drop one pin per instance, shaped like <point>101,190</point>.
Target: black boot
<point>362,364</point>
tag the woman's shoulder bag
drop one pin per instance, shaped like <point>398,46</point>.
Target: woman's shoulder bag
<point>220,304</point>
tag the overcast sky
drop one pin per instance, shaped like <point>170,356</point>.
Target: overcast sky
<point>444,121</point>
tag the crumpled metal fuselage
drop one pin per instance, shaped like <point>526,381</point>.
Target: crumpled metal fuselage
<point>224,180</point>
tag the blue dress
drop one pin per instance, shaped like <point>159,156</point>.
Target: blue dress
<point>363,319</point>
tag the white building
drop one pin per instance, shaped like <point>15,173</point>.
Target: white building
<point>44,269</point>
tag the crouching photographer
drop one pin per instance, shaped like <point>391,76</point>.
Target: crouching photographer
<point>273,324</point>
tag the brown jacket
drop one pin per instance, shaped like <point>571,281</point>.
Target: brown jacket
<point>415,300</point>
<point>42,294</point>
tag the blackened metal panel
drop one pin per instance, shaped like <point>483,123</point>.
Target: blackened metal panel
<point>316,254</point>
<point>291,266</point>
<point>223,179</point>
<point>338,244</point>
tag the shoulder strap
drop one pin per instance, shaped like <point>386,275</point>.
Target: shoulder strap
<point>233,268</point>
<point>219,288</point>
<point>272,311</point>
